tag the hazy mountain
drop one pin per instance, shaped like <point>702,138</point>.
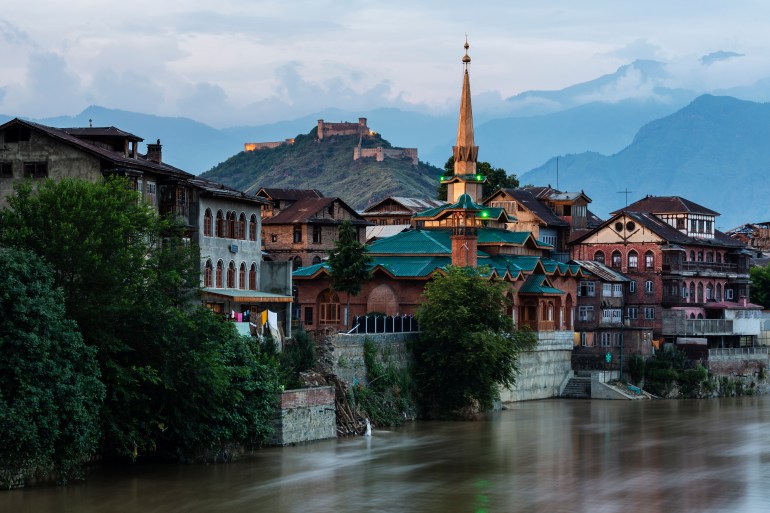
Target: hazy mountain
<point>714,152</point>
<point>328,165</point>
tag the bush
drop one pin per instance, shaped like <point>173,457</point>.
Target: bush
<point>636,368</point>
<point>299,355</point>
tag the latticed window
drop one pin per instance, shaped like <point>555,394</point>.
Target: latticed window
<point>616,259</point>
<point>328,307</point>
<point>649,260</point>
<point>208,272</point>
<point>241,227</point>
<point>633,260</point>
<point>207,223</point>
<point>220,224</point>
<point>253,277</point>
<point>253,227</point>
<point>242,276</point>
<point>220,271</point>
<point>231,275</point>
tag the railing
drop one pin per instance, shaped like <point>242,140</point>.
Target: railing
<point>690,327</point>
<point>738,351</point>
<point>385,324</point>
<point>706,267</point>
<point>540,325</point>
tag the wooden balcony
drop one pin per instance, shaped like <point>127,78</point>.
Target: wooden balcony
<point>540,325</point>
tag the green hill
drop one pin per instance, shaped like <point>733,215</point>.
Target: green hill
<point>328,166</point>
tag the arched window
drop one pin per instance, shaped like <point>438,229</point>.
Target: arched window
<point>220,224</point>
<point>296,263</point>
<point>208,272</point>
<point>231,275</point>
<point>692,315</point>
<point>700,256</point>
<point>328,307</point>
<point>692,292</point>
<point>709,257</point>
<point>709,292</point>
<point>719,291</point>
<point>253,227</point>
<point>599,256</point>
<point>692,255</point>
<point>700,316</point>
<point>633,259</point>
<point>242,227</point>
<point>207,223</point>
<point>220,271</point>
<point>719,257</point>
<point>242,276</point>
<point>649,260</point>
<point>316,260</point>
<point>700,293</point>
<point>253,277</point>
<point>231,227</point>
<point>649,287</point>
<point>617,259</point>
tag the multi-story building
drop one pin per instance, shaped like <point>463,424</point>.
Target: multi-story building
<point>688,279</point>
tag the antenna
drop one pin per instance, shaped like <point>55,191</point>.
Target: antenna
<point>557,173</point>
<point>626,192</point>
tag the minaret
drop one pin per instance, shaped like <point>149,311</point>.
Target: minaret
<point>464,188</point>
<point>465,152</point>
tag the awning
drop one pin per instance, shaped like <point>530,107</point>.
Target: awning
<point>247,296</point>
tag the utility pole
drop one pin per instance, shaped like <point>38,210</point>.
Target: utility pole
<point>626,192</point>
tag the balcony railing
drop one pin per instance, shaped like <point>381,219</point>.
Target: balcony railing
<point>695,327</point>
<point>704,267</point>
<point>540,325</point>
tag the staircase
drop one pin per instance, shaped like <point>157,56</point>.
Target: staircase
<point>578,387</point>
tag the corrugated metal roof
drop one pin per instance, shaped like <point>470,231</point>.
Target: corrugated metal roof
<point>384,230</point>
<point>538,284</point>
<point>601,271</point>
<point>305,210</point>
<point>667,205</point>
<point>289,194</point>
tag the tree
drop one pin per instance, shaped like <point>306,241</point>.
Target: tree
<point>468,347</point>
<point>497,177</point>
<point>50,392</point>
<point>760,285</point>
<point>349,263</point>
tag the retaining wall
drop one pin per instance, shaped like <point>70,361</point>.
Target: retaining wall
<point>544,371</point>
<point>343,354</point>
<point>305,414</point>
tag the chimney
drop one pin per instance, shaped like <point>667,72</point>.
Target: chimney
<point>155,153</point>
<point>743,301</point>
<point>464,248</point>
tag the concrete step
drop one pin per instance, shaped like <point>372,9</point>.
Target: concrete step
<point>578,388</point>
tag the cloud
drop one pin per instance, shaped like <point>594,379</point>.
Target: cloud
<point>13,34</point>
<point>718,56</point>
<point>127,90</point>
<point>48,86</point>
<point>207,101</point>
<point>635,50</point>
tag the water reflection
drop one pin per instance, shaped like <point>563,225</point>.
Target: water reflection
<point>542,456</point>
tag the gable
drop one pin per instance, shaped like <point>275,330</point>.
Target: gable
<point>622,229</point>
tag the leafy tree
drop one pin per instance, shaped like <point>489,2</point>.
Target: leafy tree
<point>497,177</point>
<point>760,285</point>
<point>349,263</point>
<point>468,347</point>
<point>50,393</point>
<point>299,355</point>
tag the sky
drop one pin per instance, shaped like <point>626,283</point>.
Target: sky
<point>244,62</point>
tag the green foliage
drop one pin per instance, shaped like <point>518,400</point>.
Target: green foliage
<point>177,379</point>
<point>670,368</point>
<point>349,262</point>
<point>329,167</point>
<point>636,368</point>
<point>760,285</point>
<point>50,393</point>
<point>388,399</point>
<point>497,177</point>
<point>299,355</point>
<point>468,346</point>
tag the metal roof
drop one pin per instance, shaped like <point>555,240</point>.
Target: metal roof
<point>667,205</point>
<point>601,271</point>
<point>538,284</point>
<point>246,296</point>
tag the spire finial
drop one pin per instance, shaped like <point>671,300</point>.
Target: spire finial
<point>466,58</point>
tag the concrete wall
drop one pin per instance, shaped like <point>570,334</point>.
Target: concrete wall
<point>544,371</point>
<point>744,361</point>
<point>276,277</point>
<point>343,354</point>
<point>305,414</point>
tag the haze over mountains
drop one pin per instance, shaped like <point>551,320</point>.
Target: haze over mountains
<point>622,130</point>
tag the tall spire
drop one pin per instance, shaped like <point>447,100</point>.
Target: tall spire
<point>465,152</point>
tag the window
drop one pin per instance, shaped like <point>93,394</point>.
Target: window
<point>617,290</point>
<point>242,227</point>
<point>253,277</point>
<point>680,223</point>
<point>208,271</point>
<point>586,288</point>
<point>207,223</point>
<point>606,289</point>
<point>253,227</point>
<point>308,315</point>
<point>242,276</point>
<point>231,227</point>
<point>633,260</point>
<point>700,293</point>
<point>585,313</point>
<point>35,169</point>
<point>612,315</point>
<point>220,226</point>
<point>296,263</point>
<point>616,259</point>
<point>649,287</point>
<point>583,339</point>
<point>728,293</point>
<point>6,169</point>
<point>632,286</point>
<point>220,271</point>
<point>297,234</point>
<point>274,237</point>
<point>692,292</point>
<point>17,134</point>
<point>632,312</point>
<point>649,260</point>
<point>719,292</point>
<point>605,338</point>
<point>709,257</point>
<point>316,235</point>
<point>700,256</point>
<point>649,312</point>
<point>316,260</point>
<point>709,292</point>
<point>599,257</point>
<point>692,255</point>
<point>231,275</point>
<point>719,257</point>
<point>328,308</point>
<point>693,225</point>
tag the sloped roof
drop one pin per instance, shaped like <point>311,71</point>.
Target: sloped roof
<point>409,205</point>
<point>382,231</point>
<point>530,201</point>
<point>538,284</point>
<point>118,160</point>
<point>601,271</point>
<point>289,194</point>
<point>107,131</point>
<point>305,210</point>
<point>667,205</point>
<point>219,190</point>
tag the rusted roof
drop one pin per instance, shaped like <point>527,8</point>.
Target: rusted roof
<point>667,205</point>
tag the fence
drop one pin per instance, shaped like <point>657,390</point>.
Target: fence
<point>384,324</point>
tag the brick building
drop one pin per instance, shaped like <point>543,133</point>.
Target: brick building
<point>682,269</point>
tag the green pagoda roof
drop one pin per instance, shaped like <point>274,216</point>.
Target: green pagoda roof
<point>538,284</point>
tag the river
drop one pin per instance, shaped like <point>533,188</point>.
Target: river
<point>539,456</point>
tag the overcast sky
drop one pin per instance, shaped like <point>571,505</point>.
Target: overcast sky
<point>234,62</point>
